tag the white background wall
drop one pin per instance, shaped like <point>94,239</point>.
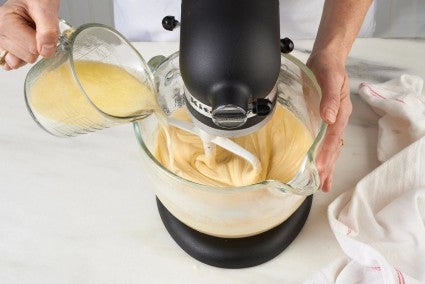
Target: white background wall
<point>400,18</point>
<point>77,12</point>
<point>394,18</point>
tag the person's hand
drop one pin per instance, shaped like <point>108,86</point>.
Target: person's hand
<point>28,29</point>
<point>335,109</point>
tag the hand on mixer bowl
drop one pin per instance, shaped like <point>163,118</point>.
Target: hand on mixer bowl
<point>336,108</point>
<point>338,29</point>
<point>27,29</point>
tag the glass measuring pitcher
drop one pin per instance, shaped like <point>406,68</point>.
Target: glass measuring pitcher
<point>96,79</point>
<point>234,212</point>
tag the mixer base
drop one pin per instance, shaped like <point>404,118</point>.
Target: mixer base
<point>236,252</point>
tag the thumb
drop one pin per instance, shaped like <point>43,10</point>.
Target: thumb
<point>329,107</point>
<point>45,16</point>
<point>331,99</point>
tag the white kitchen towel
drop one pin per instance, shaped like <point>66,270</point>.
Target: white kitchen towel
<point>380,225</point>
<point>401,105</point>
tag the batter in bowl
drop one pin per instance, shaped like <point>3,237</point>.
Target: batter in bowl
<point>281,146</point>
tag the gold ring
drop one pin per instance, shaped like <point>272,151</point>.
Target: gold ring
<point>342,142</point>
<point>3,56</point>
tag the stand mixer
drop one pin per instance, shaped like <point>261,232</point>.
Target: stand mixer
<point>230,63</point>
<point>230,75</point>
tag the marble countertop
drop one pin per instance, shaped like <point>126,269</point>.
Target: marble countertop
<point>80,210</point>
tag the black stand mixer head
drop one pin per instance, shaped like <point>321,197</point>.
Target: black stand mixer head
<point>230,62</point>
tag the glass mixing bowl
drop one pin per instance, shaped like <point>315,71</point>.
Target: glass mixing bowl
<point>234,212</point>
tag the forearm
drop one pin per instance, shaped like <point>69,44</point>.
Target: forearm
<point>340,25</point>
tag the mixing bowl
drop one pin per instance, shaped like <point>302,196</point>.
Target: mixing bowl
<point>234,212</point>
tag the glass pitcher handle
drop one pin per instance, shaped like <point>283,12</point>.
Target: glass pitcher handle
<point>65,32</point>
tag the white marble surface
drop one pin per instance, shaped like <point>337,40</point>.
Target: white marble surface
<point>80,210</point>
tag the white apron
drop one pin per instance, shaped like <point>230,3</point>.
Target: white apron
<point>141,20</point>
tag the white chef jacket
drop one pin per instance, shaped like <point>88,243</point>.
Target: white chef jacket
<point>141,20</point>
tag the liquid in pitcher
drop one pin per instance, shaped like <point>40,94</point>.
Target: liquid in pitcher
<point>103,88</point>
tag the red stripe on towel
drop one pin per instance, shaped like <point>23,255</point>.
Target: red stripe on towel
<point>400,277</point>
<point>374,93</point>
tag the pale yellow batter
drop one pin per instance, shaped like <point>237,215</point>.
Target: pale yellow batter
<point>56,95</point>
<point>281,146</point>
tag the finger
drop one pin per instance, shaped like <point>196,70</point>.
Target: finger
<point>13,62</point>
<point>23,35</point>
<point>327,186</point>
<point>13,47</point>
<point>4,64</point>
<point>6,67</point>
<point>19,40</point>
<point>332,145</point>
<point>327,158</point>
<point>346,108</point>
<point>45,15</point>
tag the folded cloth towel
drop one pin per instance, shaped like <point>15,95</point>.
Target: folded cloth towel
<point>380,225</point>
<point>401,104</point>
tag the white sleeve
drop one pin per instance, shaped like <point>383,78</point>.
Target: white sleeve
<point>141,20</point>
<point>300,19</point>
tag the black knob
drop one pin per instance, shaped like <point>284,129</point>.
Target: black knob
<point>262,107</point>
<point>286,45</point>
<point>169,23</point>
